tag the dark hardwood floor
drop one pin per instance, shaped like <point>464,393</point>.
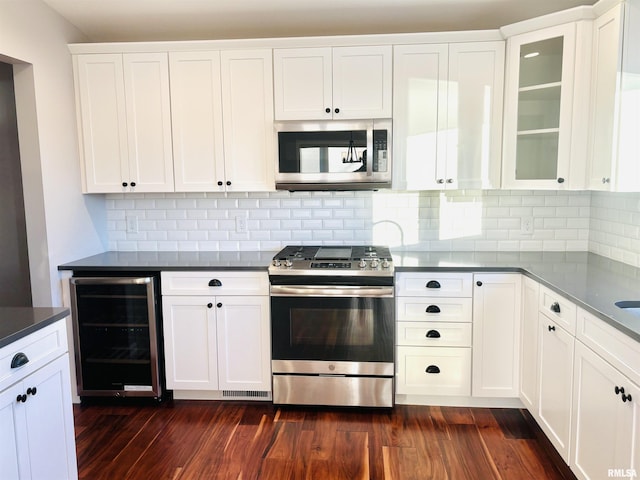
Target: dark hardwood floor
<point>229,440</point>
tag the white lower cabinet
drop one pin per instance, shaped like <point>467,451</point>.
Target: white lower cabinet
<point>37,436</point>
<point>555,375</point>
<point>496,334</point>
<point>216,342</point>
<point>529,345</point>
<point>434,371</point>
<point>606,427</point>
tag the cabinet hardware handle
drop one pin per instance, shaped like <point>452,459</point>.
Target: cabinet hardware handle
<point>560,180</point>
<point>337,110</point>
<point>32,391</point>
<point>21,398</point>
<point>19,359</point>
<point>433,284</point>
<point>626,398</point>
<point>327,110</point>
<point>228,182</point>
<point>440,180</point>
<point>124,184</point>
<point>133,184</point>
<point>215,283</point>
<point>555,307</point>
<point>219,305</point>
<point>479,283</point>
<point>605,180</point>
<point>619,390</point>
<point>209,305</point>
<point>552,328</point>
<point>219,184</point>
<point>449,180</point>
<point>433,309</point>
<point>432,369</point>
<point>433,334</point>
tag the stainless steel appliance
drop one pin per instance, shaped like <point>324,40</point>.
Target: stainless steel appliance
<point>334,155</point>
<point>332,326</point>
<point>116,329</point>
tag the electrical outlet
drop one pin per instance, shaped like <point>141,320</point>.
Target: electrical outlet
<point>241,224</point>
<point>132,224</point>
<point>526,225</point>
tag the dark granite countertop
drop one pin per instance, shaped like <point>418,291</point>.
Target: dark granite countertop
<point>593,282</point>
<point>157,261</point>
<point>18,322</point>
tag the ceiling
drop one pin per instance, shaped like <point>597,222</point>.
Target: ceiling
<point>150,20</point>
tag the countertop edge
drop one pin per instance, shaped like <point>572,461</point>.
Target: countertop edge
<point>56,313</point>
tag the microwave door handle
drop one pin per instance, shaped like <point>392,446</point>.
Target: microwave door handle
<point>369,151</point>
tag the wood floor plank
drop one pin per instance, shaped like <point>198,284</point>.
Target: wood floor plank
<point>185,440</point>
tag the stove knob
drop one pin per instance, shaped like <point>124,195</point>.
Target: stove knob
<point>276,263</point>
<point>386,263</point>
<point>288,263</point>
<point>362,263</point>
<point>374,263</point>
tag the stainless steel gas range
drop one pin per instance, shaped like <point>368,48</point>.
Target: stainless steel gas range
<point>332,326</point>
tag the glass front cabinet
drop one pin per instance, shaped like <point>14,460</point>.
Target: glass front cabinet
<point>545,95</point>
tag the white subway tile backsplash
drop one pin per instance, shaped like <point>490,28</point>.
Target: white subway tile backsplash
<point>604,223</point>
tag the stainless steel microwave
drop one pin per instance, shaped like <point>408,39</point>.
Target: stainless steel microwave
<point>334,155</point>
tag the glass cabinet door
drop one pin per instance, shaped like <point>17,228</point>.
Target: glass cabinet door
<point>538,112</point>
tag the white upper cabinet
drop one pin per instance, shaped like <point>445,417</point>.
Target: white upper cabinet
<point>615,100</point>
<point>247,112</point>
<point>125,123</point>
<point>332,83</point>
<point>196,113</point>
<point>218,102</point>
<point>544,102</point>
<point>448,115</point>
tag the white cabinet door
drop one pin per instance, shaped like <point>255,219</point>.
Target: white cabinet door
<point>529,346</point>
<point>496,335</point>
<point>244,345</point>
<point>540,117</point>
<point>103,124</point>
<point>49,417</point>
<point>606,426</point>
<point>419,115</point>
<point>196,113</point>
<point>247,108</point>
<point>191,357</point>
<point>333,83</point>
<point>448,115</point>
<point>302,80</point>
<point>555,376</point>
<point>125,122</point>
<point>14,454</point>
<point>362,82</point>
<point>146,84</point>
<point>604,87</point>
<point>474,115</point>
<point>36,432</point>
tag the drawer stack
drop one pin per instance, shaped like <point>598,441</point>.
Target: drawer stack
<point>434,314</point>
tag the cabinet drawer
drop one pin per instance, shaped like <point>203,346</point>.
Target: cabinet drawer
<point>450,371</point>
<point>438,309</point>
<point>435,284</point>
<point>622,351</point>
<point>435,334</point>
<point>558,308</point>
<point>40,347</point>
<point>215,283</point>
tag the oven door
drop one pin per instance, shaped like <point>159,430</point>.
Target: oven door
<point>347,326</point>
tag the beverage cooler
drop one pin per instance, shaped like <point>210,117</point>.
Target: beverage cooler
<point>117,333</point>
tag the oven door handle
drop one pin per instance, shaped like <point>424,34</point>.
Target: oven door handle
<point>330,291</point>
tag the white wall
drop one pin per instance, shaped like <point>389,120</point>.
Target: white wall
<point>62,224</point>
